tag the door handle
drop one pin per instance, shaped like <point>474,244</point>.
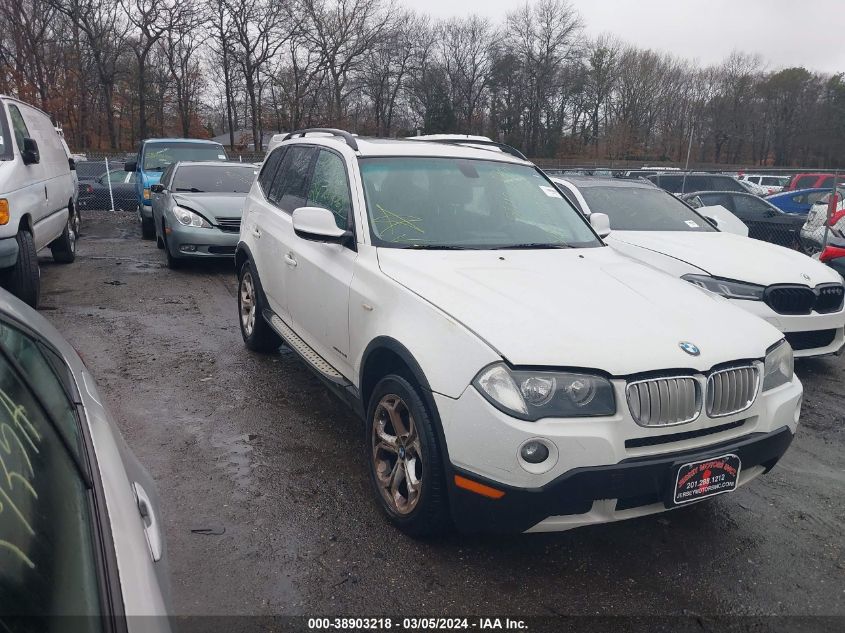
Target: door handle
<point>256,231</point>
<point>152,532</point>
<point>290,260</point>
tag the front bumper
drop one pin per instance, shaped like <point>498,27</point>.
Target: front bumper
<point>8,252</point>
<point>483,445</point>
<point>811,334</point>
<point>583,496</point>
<point>194,242</point>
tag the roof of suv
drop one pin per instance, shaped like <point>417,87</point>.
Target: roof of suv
<point>402,147</point>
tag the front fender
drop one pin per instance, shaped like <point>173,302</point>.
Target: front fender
<point>446,354</point>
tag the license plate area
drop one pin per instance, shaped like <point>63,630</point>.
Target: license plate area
<point>705,478</point>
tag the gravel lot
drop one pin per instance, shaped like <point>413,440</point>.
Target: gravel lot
<point>267,504</point>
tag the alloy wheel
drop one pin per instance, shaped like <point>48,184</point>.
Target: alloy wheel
<point>397,455</point>
<point>247,301</point>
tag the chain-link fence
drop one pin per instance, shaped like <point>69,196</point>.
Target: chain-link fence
<point>104,185</point>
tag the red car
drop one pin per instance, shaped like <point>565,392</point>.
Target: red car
<point>812,181</point>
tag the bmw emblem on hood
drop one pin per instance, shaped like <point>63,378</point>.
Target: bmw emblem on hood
<point>689,348</point>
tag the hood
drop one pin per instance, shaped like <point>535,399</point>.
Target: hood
<point>730,256</point>
<point>587,308</point>
<point>213,206</point>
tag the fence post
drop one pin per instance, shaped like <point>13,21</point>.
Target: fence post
<point>108,180</point>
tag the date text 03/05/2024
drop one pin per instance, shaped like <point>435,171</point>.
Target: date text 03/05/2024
<point>416,624</point>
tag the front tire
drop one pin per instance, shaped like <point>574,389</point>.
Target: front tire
<point>148,229</point>
<point>256,332</point>
<point>406,467</point>
<point>63,248</point>
<point>173,262</point>
<point>24,279</point>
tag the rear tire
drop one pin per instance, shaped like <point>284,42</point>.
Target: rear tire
<point>406,464</point>
<point>24,279</point>
<point>64,247</point>
<point>257,334</point>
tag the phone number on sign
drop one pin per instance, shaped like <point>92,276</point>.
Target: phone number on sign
<point>411,624</point>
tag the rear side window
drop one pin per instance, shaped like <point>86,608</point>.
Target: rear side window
<point>268,170</point>
<point>18,126</point>
<point>289,187</point>
<point>827,181</point>
<point>47,552</point>
<point>330,188</point>
<point>751,207</point>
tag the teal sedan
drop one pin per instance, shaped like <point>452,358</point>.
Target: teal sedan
<point>197,209</point>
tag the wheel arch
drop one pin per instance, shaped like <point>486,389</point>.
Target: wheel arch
<point>385,355</point>
<point>25,223</point>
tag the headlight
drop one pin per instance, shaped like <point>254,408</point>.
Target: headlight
<point>532,395</point>
<point>726,287</point>
<point>778,367</point>
<point>189,218</point>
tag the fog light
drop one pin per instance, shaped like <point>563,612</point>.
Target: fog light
<point>188,248</point>
<point>534,452</point>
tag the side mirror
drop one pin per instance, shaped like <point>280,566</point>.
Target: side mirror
<point>130,166</point>
<point>157,188</point>
<point>600,223</point>
<point>318,225</point>
<point>30,153</point>
<point>72,164</point>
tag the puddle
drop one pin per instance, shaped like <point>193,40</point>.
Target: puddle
<point>237,457</point>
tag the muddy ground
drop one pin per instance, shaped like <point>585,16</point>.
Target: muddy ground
<point>268,508</point>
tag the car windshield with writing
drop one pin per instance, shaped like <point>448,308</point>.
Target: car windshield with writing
<point>643,209</point>
<point>157,156</point>
<point>213,179</point>
<point>446,203</point>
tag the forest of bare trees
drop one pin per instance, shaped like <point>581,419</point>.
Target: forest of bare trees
<point>114,71</point>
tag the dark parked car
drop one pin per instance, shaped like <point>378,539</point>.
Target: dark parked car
<point>764,220</point>
<point>90,170</point>
<point>687,183</point>
<point>95,194</point>
<point>799,201</point>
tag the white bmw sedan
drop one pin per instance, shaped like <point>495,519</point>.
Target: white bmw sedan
<point>793,292</point>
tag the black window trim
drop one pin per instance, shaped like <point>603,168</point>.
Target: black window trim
<point>105,558</point>
<point>308,174</point>
<point>15,106</point>
<point>350,219</point>
<point>8,152</point>
<point>282,150</point>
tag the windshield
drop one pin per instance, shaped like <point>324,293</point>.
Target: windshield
<point>643,209</point>
<point>157,156</point>
<point>221,179</point>
<point>417,202</point>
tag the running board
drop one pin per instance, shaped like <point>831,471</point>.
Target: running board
<point>317,362</point>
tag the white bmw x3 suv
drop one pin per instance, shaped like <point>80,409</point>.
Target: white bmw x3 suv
<point>800,296</point>
<point>513,372</point>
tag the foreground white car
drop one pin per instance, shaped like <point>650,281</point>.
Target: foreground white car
<point>793,292</point>
<point>514,373</point>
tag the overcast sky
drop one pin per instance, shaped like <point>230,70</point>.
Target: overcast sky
<point>809,33</point>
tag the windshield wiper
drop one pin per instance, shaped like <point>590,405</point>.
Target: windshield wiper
<point>440,247</point>
<point>190,190</point>
<point>532,245</point>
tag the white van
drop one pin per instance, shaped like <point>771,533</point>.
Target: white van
<point>37,194</point>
